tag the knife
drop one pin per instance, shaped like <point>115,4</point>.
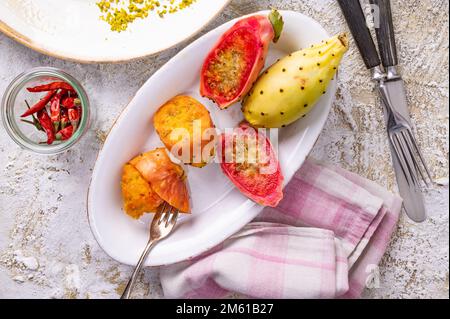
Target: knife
<point>394,86</point>
<point>413,203</point>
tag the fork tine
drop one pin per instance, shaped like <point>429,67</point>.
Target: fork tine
<point>165,217</point>
<point>412,150</point>
<point>416,147</point>
<point>160,211</point>
<point>168,217</point>
<point>408,159</point>
<point>174,217</point>
<point>401,159</point>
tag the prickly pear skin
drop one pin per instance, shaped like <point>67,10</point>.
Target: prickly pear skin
<point>290,88</point>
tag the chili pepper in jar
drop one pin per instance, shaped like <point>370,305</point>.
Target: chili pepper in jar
<point>64,118</point>
<point>70,102</point>
<point>46,123</point>
<point>65,133</point>
<point>74,117</point>
<point>52,86</point>
<point>39,105</point>
<point>55,109</point>
<point>35,121</point>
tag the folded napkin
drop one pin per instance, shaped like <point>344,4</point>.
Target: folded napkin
<point>323,241</point>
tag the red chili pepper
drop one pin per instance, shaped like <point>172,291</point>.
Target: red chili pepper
<point>35,121</point>
<point>68,102</point>
<point>46,124</point>
<point>74,117</point>
<point>39,105</point>
<point>64,118</point>
<point>65,133</point>
<point>51,87</point>
<point>55,109</point>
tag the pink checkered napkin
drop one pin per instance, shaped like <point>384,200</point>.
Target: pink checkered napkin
<point>322,241</point>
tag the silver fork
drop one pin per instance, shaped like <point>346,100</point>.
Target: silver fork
<point>402,138</point>
<point>162,225</point>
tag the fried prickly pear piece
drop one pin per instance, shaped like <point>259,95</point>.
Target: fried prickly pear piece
<point>181,116</point>
<point>166,178</point>
<point>138,196</point>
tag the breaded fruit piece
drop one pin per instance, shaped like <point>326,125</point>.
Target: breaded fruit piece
<point>166,178</point>
<point>138,195</point>
<point>180,113</point>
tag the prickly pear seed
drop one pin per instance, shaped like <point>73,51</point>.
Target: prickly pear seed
<point>300,68</point>
<point>262,113</point>
<point>302,87</point>
<point>320,80</point>
<point>306,105</point>
<point>282,113</point>
<point>284,70</point>
<point>281,90</point>
<point>262,92</point>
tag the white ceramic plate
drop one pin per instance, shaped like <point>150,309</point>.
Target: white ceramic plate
<point>219,210</point>
<point>72,29</point>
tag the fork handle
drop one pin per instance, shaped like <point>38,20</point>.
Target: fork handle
<point>385,33</point>
<point>356,21</point>
<point>127,292</point>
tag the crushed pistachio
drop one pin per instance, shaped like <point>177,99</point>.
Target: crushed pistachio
<point>120,13</point>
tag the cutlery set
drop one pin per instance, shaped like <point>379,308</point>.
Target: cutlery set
<point>410,168</point>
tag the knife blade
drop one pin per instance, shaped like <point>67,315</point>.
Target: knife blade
<point>393,89</point>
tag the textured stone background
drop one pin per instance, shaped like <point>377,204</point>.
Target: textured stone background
<point>47,249</point>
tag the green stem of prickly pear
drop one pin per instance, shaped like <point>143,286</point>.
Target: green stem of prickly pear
<point>277,23</point>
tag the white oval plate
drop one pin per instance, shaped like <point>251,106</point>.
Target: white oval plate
<point>219,210</point>
<point>72,29</point>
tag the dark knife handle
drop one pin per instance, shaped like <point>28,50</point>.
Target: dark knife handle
<point>385,33</point>
<point>357,23</point>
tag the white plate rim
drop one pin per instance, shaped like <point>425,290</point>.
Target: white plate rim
<point>253,206</point>
<point>53,51</point>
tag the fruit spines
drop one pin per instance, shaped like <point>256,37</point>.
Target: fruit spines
<point>290,88</point>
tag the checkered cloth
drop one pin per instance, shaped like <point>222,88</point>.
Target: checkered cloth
<point>323,241</point>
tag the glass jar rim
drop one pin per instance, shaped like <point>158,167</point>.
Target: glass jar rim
<point>8,104</point>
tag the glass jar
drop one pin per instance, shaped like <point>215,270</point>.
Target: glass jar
<point>13,105</point>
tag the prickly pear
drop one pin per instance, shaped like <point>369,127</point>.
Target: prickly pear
<point>233,65</point>
<point>290,88</point>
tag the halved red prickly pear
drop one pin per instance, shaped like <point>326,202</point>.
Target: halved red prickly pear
<point>249,161</point>
<point>233,65</point>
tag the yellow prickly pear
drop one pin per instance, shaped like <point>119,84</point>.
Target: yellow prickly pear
<point>290,88</point>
